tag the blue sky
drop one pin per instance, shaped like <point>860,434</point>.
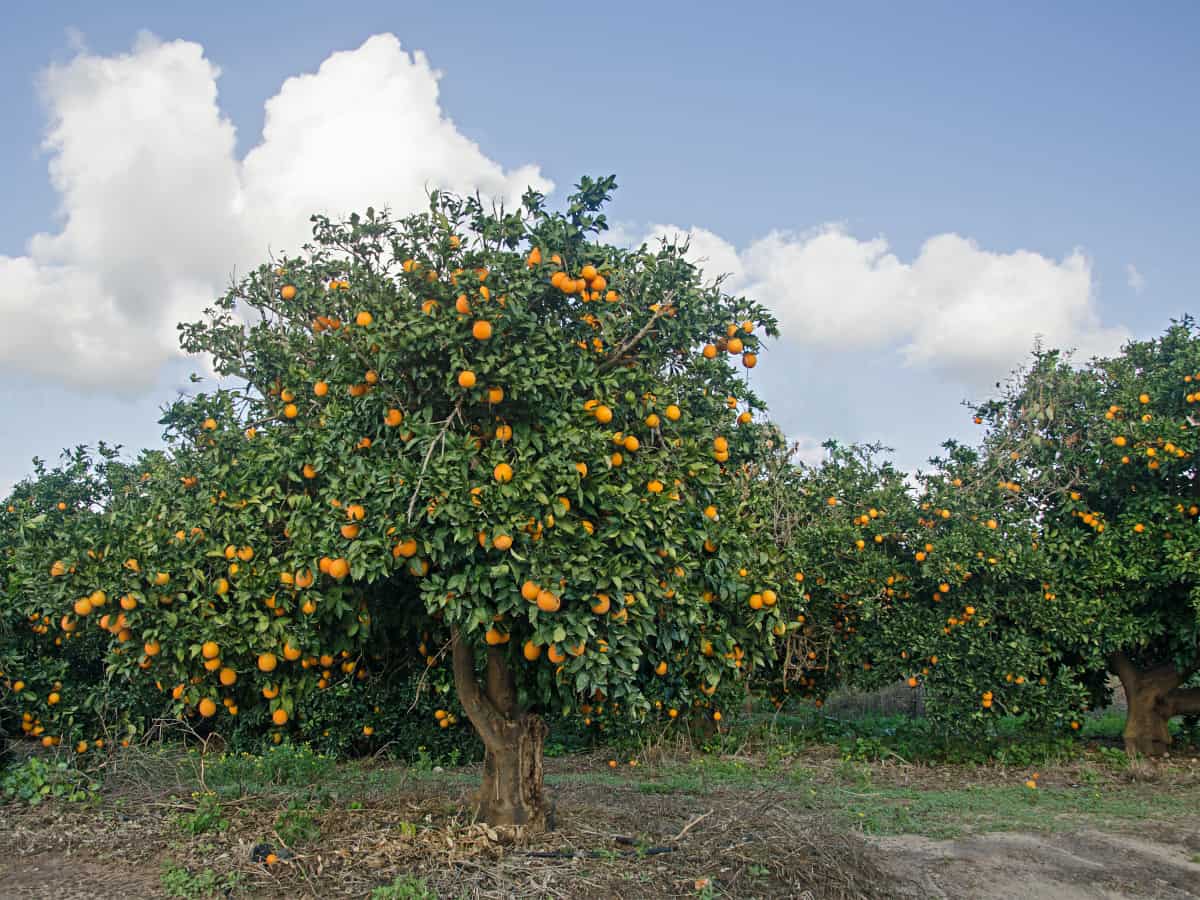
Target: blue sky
<point>1057,129</point>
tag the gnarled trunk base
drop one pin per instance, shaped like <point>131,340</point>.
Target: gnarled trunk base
<point>512,790</point>
<point>1147,720</point>
<point>1153,697</point>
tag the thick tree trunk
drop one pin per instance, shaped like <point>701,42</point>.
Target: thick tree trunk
<point>511,793</point>
<point>512,790</point>
<point>1153,697</point>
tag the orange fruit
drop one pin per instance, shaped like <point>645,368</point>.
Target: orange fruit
<point>531,651</point>
<point>603,414</point>
<point>210,650</point>
<point>363,319</point>
<point>466,379</point>
<point>227,676</point>
<point>481,330</point>
<point>339,568</point>
<point>530,591</point>
<point>548,602</point>
<point>503,472</point>
<point>267,662</point>
<point>279,717</point>
<point>288,292</point>
<point>207,708</point>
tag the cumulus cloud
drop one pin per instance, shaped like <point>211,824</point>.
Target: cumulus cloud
<point>958,309</point>
<point>158,212</point>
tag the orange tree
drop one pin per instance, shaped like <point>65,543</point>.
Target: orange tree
<point>930,580</point>
<point>1107,453</point>
<point>53,669</point>
<point>486,429</point>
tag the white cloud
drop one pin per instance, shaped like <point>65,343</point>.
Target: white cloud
<point>157,211</point>
<point>1136,280</point>
<point>957,309</point>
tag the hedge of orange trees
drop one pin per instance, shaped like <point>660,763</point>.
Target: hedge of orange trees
<point>1016,577</point>
<point>484,441</point>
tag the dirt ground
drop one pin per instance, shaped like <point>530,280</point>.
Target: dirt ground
<point>1082,865</point>
<point>645,833</point>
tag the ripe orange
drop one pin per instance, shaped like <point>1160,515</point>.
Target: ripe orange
<point>210,650</point>
<point>279,717</point>
<point>548,602</point>
<point>227,676</point>
<point>603,414</point>
<point>290,411</point>
<point>363,319</point>
<point>481,330</point>
<point>749,360</point>
<point>503,472</point>
<point>466,379</point>
<point>734,345</point>
<point>349,531</point>
<point>321,388</point>
<point>339,568</point>
<point>288,292</point>
<point>495,395</point>
<point>502,541</point>
<point>530,591</point>
<point>207,708</point>
<point>267,662</point>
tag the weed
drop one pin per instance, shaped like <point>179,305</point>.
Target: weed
<point>179,882</point>
<point>404,887</point>
<point>35,780</point>
<point>295,826</point>
<point>207,816</point>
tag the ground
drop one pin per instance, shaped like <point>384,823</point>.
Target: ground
<point>762,823</point>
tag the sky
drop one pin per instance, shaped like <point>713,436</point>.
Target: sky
<point>918,191</point>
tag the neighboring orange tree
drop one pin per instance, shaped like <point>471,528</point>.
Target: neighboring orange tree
<point>1107,455</point>
<point>926,579</point>
<point>483,430</point>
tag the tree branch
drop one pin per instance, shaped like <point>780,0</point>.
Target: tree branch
<point>1124,669</point>
<point>501,686</point>
<point>412,502</point>
<point>479,709</point>
<point>1184,701</point>
<point>615,357</point>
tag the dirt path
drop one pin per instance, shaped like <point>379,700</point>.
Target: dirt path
<point>1081,865</point>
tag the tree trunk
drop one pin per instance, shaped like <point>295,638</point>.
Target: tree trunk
<point>1153,697</point>
<point>512,789</point>
<point>511,793</point>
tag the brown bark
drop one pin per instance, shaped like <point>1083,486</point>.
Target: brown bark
<point>512,790</point>
<point>1153,697</point>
